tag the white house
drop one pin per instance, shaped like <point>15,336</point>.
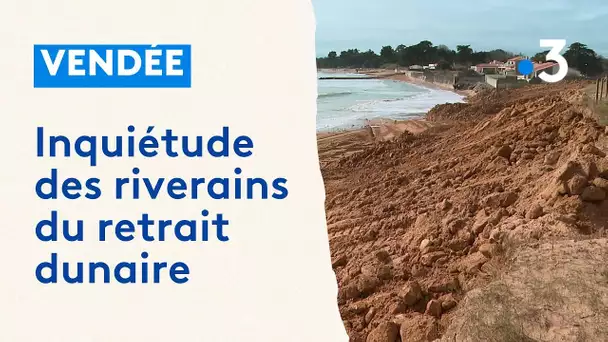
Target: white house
<point>512,62</point>
<point>494,67</point>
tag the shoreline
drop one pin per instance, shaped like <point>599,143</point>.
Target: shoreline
<point>391,75</point>
<point>334,145</point>
<point>431,85</point>
<point>386,124</point>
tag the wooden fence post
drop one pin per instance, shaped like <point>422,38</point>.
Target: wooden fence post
<point>601,88</point>
<point>597,91</point>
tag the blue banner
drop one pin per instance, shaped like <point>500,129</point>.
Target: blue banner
<point>112,66</point>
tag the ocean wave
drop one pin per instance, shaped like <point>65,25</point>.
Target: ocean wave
<point>334,94</point>
<point>415,103</point>
<point>345,103</point>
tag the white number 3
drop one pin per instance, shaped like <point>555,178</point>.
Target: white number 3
<point>556,45</point>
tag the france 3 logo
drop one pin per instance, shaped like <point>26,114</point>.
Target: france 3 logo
<point>525,67</point>
<point>112,66</point>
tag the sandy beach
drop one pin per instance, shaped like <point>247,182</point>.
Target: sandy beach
<point>346,101</point>
<point>398,110</point>
<point>433,222</point>
<point>355,139</point>
<point>391,75</point>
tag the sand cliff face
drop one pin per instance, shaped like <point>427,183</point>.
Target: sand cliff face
<point>417,222</point>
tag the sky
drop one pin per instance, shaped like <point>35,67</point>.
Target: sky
<point>513,25</point>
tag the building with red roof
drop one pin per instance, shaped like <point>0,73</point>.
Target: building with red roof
<point>512,62</point>
<point>508,68</point>
<point>494,67</point>
<point>548,67</point>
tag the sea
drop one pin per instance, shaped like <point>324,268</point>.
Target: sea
<point>346,104</point>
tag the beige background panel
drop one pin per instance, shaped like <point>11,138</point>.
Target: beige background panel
<point>253,70</point>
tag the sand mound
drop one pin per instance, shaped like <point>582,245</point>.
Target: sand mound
<point>416,222</point>
<point>550,302</point>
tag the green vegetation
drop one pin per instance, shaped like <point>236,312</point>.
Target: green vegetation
<point>578,55</point>
<point>584,59</point>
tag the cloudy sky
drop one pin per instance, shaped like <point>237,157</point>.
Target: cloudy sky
<point>514,25</point>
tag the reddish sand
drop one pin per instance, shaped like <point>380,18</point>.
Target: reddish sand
<point>420,212</point>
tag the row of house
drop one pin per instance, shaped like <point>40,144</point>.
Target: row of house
<point>508,68</point>
<point>501,68</point>
<point>497,74</point>
<point>432,66</point>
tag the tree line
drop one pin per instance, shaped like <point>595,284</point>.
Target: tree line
<point>578,55</point>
